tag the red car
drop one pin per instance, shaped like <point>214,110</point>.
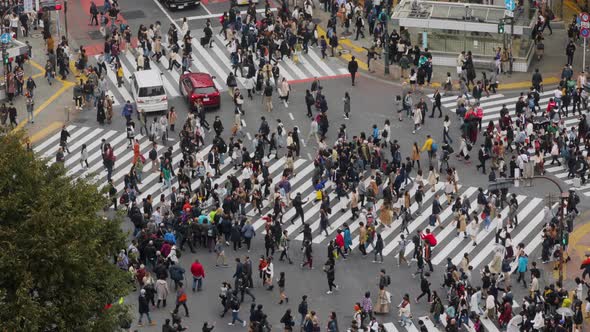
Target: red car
<point>199,86</point>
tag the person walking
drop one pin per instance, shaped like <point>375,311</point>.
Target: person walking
<point>346,101</point>
<point>235,311</point>
<point>144,309</point>
<point>437,104</point>
<point>424,287</point>
<point>281,283</point>
<point>198,275</point>
<point>162,292</point>
<point>84,157</point>
<point>353,68</point>
<point>181,299</point>
<point>30,107</point>
<point>330,274</point>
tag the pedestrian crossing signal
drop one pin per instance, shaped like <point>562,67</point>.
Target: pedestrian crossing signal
<point>5,58</point>
<point>501,27</point>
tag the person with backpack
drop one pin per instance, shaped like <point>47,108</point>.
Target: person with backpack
<point>302,309</point>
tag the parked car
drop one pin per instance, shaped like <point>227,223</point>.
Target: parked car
<point>199,86</point>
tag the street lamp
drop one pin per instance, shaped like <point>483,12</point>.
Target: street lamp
<point>386,53</point>
<point>562,197</point>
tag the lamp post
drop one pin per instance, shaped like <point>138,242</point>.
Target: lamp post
<point>562,197</point>
<point>66,17</point>
<point>386,54</point>
<point>561,216</point>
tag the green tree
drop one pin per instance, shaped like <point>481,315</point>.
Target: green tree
<point>56,249</point>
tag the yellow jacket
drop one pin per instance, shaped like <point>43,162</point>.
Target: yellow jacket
<point>427,145</point>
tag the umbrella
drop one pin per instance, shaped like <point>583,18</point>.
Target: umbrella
<point>564,311</point>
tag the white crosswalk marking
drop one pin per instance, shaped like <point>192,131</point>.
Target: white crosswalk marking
<point>92,146</point>
<point>55,137</point>
<point>390,327</point>
<point>429,324</point>
<point>51,151</point>
<point>216,61</point>
<point>448,245</point>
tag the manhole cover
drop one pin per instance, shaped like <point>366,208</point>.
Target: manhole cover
<point>95,35</point>
<point>133,14</point>
<point>344,51</point>
<point>36,35</point>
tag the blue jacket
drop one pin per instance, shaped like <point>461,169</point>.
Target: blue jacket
<point>170,238</point>
<point>523,261</point>
<point>127,110</point>
<point>347,238</point>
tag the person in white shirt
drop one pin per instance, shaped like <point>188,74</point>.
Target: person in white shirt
<point>491,307</point>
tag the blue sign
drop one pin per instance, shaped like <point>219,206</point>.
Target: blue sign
<point>5,38</point>
<point>509,4</point>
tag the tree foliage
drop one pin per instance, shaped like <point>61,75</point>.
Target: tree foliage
<point>56,270</point>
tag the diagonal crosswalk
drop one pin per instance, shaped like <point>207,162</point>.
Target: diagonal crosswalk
<point>449,244</point>
<point>216,61</point>
<point>492,106</point>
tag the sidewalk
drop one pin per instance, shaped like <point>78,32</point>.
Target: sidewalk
<point>47,115</point>
<point>550,66</point>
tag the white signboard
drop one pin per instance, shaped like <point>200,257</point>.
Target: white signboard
<point>28,6</point>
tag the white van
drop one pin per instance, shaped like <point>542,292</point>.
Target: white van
<point>148,91</point>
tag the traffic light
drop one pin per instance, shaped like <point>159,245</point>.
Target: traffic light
<point>5,58</point>
<point>50,5</point>
<point>501,27</point>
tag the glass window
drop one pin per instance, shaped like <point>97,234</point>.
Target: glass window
<point>205,91</point>
<point>152,91</point>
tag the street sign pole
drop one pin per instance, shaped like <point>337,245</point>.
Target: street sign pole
<point>584,33</point>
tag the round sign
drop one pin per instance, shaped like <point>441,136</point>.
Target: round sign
<point>584,17</point>
<point>585,32</point>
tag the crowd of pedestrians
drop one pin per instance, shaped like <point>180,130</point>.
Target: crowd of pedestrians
<point>367,172</point>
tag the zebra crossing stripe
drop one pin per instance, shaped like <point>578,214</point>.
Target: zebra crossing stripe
<point>322,64</point>
<point>73,136</point>
<point>209,60</point>
<point>293,67</point>
<point>444,215</point>
<point>482,234</point>
<point>389,327</point>
<point>413,225</point>
<point>94,155</point>
<point>122,164</point>
<point>91,147</point>
<point>291,212</point>
<point>50,140</point>
<point>412,328</point>
<point>126,71</point>
<point>528,229</point>
<point>490,246</point>
<point>122,90</point>
<point>488,325</point>
<point>429,324</point>
<point>448,249</point>
<point>309,65</point>
<point>387,231</point>
<point>448,213</point>
<point>173,72</point>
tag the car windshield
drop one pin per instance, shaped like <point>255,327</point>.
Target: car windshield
<point>205,91</point>
<point>152,91</point>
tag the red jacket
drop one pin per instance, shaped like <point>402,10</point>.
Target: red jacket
<point>429,238</point>
<point>340,240</point>
<point>197,270</point>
